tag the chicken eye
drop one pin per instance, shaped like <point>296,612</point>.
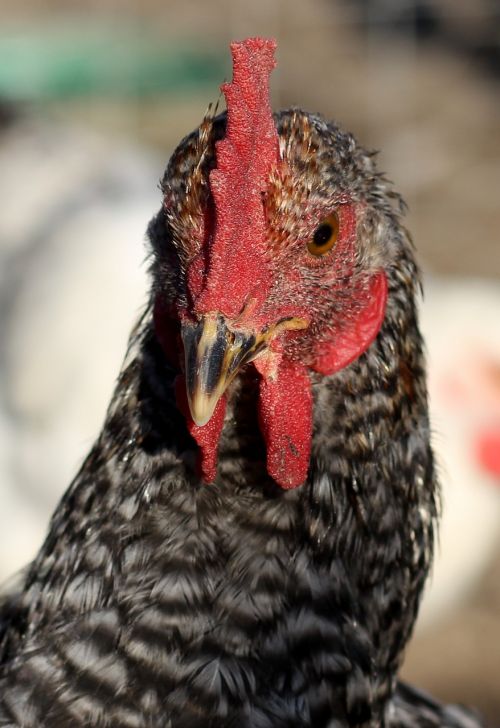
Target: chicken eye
<point>325,236</point>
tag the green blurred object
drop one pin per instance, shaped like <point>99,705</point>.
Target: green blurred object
<point>68,64</point>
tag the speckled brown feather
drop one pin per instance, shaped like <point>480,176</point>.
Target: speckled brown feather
<point>157,600</point>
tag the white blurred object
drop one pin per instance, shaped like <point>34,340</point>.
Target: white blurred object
<point>72,281</point>
<point>461,325</point>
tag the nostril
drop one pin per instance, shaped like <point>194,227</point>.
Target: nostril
<point>247,310</point>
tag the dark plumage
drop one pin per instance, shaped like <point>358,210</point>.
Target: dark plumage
<point>160,600</point>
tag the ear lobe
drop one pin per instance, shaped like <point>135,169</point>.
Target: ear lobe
<point>349,343</point>
<point>167,331</point>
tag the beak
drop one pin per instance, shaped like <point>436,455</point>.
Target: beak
<point>215,353</point>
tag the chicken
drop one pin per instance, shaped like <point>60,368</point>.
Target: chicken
<point>247,542</point>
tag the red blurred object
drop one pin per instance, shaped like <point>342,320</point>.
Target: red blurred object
<point>488,450</point>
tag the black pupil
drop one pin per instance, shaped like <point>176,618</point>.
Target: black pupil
<point>322,234</point>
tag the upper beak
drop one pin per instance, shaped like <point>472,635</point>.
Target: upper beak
<point>215,353</point>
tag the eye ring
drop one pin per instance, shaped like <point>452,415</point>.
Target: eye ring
<point>325,236</point>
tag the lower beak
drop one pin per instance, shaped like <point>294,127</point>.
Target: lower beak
<point>214,354</point>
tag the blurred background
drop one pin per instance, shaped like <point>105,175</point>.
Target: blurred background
<point>95,95</point>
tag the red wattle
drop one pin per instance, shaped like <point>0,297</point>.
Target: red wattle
<point>360,331</point>
<point>206,437</point>
<point>285,415</point>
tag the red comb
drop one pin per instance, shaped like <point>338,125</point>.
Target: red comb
<point>245,157</point>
